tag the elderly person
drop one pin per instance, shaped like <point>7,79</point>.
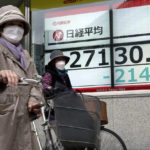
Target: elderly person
<point>16,102</point>
<point>56,78</point>
<point>56,82</point>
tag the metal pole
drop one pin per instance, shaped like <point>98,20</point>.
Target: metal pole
<point>27,17</point>
<point>37,135</point>
<point>111,47</point>
<point>27,46</point>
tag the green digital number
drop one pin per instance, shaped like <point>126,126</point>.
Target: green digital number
<point>145,74</point>
<point>132,75</point>
<point>119,79</point>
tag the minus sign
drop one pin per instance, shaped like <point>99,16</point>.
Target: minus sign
<point>147,59</point>
<point>106,77</point>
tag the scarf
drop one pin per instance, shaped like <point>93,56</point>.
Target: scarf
<point>17,51</point>
<point>62,73</point>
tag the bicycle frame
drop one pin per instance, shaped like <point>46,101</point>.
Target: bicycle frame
<point>52,142</point>
<point>52,139</point>
<point>37,81</point>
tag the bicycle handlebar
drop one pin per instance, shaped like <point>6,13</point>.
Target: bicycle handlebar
<point>30,81</point>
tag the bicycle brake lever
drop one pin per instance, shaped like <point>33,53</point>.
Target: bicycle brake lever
<point>22,81</point>
<point>26,81</point>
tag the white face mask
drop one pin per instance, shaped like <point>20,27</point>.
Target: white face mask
<point>13,34</point>
<point>60,65</point>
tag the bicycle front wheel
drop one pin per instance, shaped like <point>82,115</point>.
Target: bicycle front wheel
<point>109,140</point>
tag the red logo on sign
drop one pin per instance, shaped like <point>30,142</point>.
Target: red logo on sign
<point>58,35</point>
<point>61,22</point>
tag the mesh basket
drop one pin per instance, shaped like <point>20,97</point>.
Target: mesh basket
<point>77,119</point>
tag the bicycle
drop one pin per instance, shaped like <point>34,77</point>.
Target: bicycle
<point>52,142</point>
<point>109,139</point>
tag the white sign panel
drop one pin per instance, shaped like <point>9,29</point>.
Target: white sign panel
<point>132,60</point>
<point>77,30</point>
<point>131,24</point>
<point>88,67</point>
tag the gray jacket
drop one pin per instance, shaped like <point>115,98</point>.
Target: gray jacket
<point>15,128</point>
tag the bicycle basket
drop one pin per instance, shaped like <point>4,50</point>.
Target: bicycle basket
<point>77,119</point>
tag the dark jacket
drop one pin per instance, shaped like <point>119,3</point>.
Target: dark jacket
<point>59,83</point>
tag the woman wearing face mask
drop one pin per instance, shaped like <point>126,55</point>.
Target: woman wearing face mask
<point>56,78</point>
<point>55,81</point>
<point>16,102</point>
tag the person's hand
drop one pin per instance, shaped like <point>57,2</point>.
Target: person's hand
<point>49,87</point>
<point>34,107</point>
<point>9,77</point>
